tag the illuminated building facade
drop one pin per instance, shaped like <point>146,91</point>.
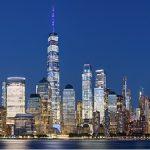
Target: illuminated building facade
<point>121,117</point>
<point>96,123</point>
<point>53,72</point>
<point>24,124</point>
<point>2,121</point>
<point>34,108</point>
<point>68,109</point>
<point>126,95</point>
<point>34,104</point>
<point>99,93</point>
<point>15,98</point>
<point>87,100</point>
<point>43,88</point>
<point>4,92</point>
<point>112,110</point>
<point>79,113</point>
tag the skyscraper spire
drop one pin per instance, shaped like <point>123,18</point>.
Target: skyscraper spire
<point>53,19</point>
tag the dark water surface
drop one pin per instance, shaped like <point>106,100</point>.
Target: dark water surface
<point>73,144</point>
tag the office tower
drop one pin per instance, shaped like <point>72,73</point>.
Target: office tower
<point>100,79</point>
<point>2,121</point>
<point>43,88</point>
<point>144,111</point>
<point>15,103</point>
<point>96,123</point>
<point>4,92</point>
<point>24,124</point>
<point>137,114</point>
<point>34,108</point>
<point>126,94</point>
<point>34,104</point>
<point>87,100</point>
<point>112,110</point>
<point>79,113</point>
<point>121,115</point>
<point>99,92</point>
<point>53,72</point>
<point>68,109</point>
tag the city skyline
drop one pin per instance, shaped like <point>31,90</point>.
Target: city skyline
<point>27,34</point>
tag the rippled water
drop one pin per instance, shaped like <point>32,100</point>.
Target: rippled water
<point>73,144</point>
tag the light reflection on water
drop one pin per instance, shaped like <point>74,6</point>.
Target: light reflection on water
<point>72,144</point>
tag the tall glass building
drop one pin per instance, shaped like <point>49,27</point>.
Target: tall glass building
<point>4,92</point>
<point>53,72</point>
<point>87,99</point>
<point>99,93</point>
<point>43,88</point>
<point>112,110</point>
<point>68,109</point>
<point>15,98</point>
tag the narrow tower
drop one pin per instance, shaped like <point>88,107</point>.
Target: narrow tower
<point>87,101</point>
<point>53,71</point>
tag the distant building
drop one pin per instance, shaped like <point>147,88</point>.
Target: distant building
<point>43,88</point>
<point>137,113</point>
<point>4,94</point>
<point>15,101</point>
<point>34,104</point>
<point>121,115</point>
<point>68,109</point>
<point>112,109</point>
<point>2,121</point>
<point>79,113</point>
<point>24,124</point>
<point>144,103</point>
<point>34,108</point>
<point>99,93</point>
<point>87,99</point>
<point>126,93</point>
<point>96,123</point>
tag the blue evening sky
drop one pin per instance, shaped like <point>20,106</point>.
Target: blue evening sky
<point>109,34</point>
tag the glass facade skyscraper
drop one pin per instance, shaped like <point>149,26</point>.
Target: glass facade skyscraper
<point>4,92</point>
<point>15,98</point>
<point>53,72</point>
<point>112,110</point>
<point>87,99</point>
<point>68,109</point>
<point>43,88</point>
<point>99,93</point>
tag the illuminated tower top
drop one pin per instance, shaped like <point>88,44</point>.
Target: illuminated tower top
<point>53,19</point>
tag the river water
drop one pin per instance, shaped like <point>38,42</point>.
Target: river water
<point>73,144</point>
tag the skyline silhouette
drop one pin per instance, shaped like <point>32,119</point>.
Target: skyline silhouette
<point>109,35</point>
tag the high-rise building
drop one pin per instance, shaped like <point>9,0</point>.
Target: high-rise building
<point>34,108</point>
<point>99,93</point>
<point>121,115</point>
<point>112,110</point>
<point>15,99</point>
<point>126,95</point>
<point>34,104</point>
<point>4,94</point>
<point>53,72</point>
<point>87,99</point>
<point>2,121</point>
<point>79,113</point>
<point>100,78</point>
<point>68,109</point>
<point>144,104</point>
<point>43,88</point>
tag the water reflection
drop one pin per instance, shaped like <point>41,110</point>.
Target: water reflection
<point>72,144</point>
<point>13,144</point>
